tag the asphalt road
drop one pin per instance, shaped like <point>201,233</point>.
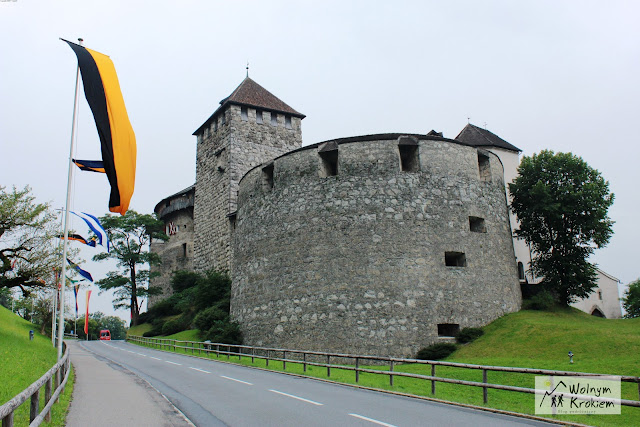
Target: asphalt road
<point>211,393</point>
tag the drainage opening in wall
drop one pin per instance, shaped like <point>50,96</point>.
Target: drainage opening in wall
<point>448,329</point>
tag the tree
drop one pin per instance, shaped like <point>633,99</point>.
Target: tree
<point>561,204</point>
<point>130,236</point>
<point>631,300</point>
<point>27,241</point>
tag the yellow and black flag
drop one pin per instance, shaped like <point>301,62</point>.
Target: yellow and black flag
<point>117,140</point>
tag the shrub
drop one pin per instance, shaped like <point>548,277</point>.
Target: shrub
<point>436,351</point>
<point>207,317</point>
<point>182,280</point>
<point>156,328</point>
<point>542,301</point>
<point>174,326</point>
<point>225,332</point>
<point>467,335</point>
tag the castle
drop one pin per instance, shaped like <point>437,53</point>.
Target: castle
<point>372,244</point>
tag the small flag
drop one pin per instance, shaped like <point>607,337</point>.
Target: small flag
<point>96,227</point>
<point>80,271</point>
<point>76,288</point>
<point>86,316</point>
<point>90,165</point>
<point>75,237</point>
<point>171,229</point>
<point>117,140</point>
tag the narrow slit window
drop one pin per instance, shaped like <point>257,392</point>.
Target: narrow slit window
<point>455,259</point>
<point>484,167</point>
<point>259,116</point>
<point>448,329</point>
<point>329,165</point>
<point>244,114</point>
<point>521,270</point>
<point>476,224</point>
<point>287,122</point>
<point>223,119</point>
<point>409,158</point>
<point>232,221</point>
<point>267,177</point>
<point>274,119</point>
<point>184,250</point>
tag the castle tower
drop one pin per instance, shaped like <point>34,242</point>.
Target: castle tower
<point>251,126</point>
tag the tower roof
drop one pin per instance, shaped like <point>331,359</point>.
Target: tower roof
<point>478,137</point>
<point>251,94</point>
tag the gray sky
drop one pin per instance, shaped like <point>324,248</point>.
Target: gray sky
<point>540,74</point>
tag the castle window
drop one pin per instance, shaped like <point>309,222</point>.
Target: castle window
<point>259,116</point>
<point>232,220</point>
<point>476,224</point>
<point>484,167</point>
<point>244,114</point>
<point>329,163</point>
<point>267,177</point>
<point>409,159</point>
<point>215,124</point>
<point>274,119</point>
<point>448,329</point>
<point>455,259</point>
<point>184,250</point>
<point>287,122</point>
<point>521,270</point>
<point>223,119</point>
<point>600,295</point>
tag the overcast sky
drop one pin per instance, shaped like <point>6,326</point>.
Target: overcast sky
<point>559,75</point>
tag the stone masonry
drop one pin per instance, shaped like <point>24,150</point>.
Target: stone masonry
<point>357,262</point>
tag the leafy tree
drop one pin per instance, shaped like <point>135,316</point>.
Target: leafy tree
<point>130,236</point>
<point>27,241</point>
<point>5,297</point>
<point>631,300</point>
<point>561,204</point>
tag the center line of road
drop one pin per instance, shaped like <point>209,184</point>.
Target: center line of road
<point>201,370</point>
<point>173,363</point>
<point>143,355</point>
<point>157,358</point>
<point>238,381</point>
<point>372,420</point>
<point>296,397</point>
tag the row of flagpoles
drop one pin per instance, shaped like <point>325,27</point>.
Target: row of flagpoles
<point>118,147</point>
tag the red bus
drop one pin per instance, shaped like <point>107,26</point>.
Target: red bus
<point>105,335</point>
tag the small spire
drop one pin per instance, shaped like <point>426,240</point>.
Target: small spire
<point>247,68</point>
<point>468,120</point>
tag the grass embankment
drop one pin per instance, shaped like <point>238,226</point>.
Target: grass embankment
<point>528,339</point>
<point>23,361</point>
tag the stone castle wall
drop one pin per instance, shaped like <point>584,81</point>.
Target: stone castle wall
<point>356,262</point>
<point>225,152</point>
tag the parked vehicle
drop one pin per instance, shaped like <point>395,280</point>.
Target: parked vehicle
<point>105,335</point>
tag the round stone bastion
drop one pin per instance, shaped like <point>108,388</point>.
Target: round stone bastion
<point>379,244</point>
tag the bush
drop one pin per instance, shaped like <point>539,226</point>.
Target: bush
<point>156,328</point>
<point>174,326</point>
<point>225,332</point>
<point>207,317</point>
<point>183,280</point>
<point>436,351</point>
<point>542,301</point>
<point>467,335</point>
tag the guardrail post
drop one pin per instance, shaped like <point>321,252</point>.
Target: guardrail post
<point>218,351</point>
<point>253,350</point>
<point>267,358</point>
<point>284,362</point>
<point>391,373</point>
<point>304,362</point>
<point>357,369</point>
<point>47,397</point>
<point>35,402</point>
<point>328,367</point>
<point>8,420</point>
<point>484,389</point>
<point>433,382</point>
<point>228,352</point>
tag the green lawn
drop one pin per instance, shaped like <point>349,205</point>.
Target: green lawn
<point>528,339</point>
<point>23,361</point>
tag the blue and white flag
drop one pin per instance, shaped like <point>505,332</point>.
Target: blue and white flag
<point>96,227</point>
<point>80,271</point>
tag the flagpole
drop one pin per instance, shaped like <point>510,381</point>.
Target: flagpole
<point>66,214</point>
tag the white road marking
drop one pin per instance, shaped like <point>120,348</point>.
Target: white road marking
<point>296,397</point>
<point>201,370</point>
<point>372,420</point>
<point>143,355</point>
<point>132,352</point>
<point>238,381</point>
<point>157,358</point>
<point>173,363</point>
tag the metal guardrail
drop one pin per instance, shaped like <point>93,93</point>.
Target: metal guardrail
<point>304,358</point>
<point>59,370</point>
